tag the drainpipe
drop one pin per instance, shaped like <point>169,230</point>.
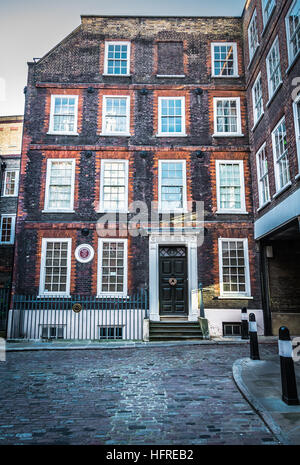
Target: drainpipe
<point>265,288</point>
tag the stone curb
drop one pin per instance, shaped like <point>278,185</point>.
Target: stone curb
<point>127,345</point>
<point>237,369</point>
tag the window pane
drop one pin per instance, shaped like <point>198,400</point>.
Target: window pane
<point>227,117</point>
<point>6,229</point>
<point>113,272</point>
<point>60,185</point>
<point>171,185</point>
<point>224,64</point>
<point>230,186</point>
<point>56,267</point>
<point>233,267</point>
<point>114,186</point>
<point>293,23</point>
<point>115,115</point>
<point>10,183</point>
<point>171,116</point>
<point>64,114</point>
<point>117,59</point>
<point>273,62</point>
<point>281,155</point>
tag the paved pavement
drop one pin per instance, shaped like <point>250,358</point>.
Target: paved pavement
<point>20,345</point>
<point>260,383</point>
<point>181,394</point>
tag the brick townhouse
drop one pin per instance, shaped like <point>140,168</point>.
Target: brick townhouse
<point>10,153</point>
<point>152,110</point>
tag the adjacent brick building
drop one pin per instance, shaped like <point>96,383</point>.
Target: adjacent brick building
<point>147,109</point>
<point>273,95</point>
<point>10,153</point>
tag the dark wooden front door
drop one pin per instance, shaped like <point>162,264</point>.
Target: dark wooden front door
<point>173,280</point>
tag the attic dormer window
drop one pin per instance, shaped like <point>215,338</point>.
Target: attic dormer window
<point>117,58</point>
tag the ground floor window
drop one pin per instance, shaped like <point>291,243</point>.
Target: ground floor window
<point>55,267</point>
<point>234,267</point>
<point>52,332</point>
<point>7,229</point>
<point>111,332</point>
<point>231,329</point>
<point>112,268</point>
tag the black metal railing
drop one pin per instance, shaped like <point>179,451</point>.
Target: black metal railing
<point>78,317</point>
<point>4,306</point>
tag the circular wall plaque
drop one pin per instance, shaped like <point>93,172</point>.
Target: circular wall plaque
<point>77,308</point>
<point>84,253</point>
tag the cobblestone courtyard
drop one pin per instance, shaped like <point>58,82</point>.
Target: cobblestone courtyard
<point>154,395</point>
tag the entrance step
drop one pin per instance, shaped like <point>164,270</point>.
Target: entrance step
<point>173,318</point>
<point>175,331</point>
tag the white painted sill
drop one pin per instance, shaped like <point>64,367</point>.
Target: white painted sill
<point>170,76</point>
<point>227,135</point>
<point>54,133</point>
<point>292,62</point>
<point>171,135</point>
<point>235,297</point>
<point>258,121</point>
<point>113,211</point>
<point>112,296</point>
<point>117,75</point>
<point>225,77</point>
<point>45,296</point>
<point>58,211</point>
<point>274,94</point>
<point>9,196</point>
<point>114,134</point>
<point>284,188</point>
<point>231,212</point>
<point>297,176</point>
<point>253,56</point>
<point>263,206</point>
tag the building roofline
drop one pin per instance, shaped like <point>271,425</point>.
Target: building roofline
<point>160,17</point>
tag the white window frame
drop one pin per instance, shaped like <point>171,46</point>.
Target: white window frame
<point>42,292</point>
<point>51,121</point>
<point>253,20</point>
<point>275,44</point>
<point>276,167</point>
<point>266,19</point>
<point>113,42</point>
<point>113,160</point>
<point>183,129</point>
<point>236,211</point>
<point>104,105</point>
<point>13,227</point>
<point>11,170</point>
<point>297,129</point>
<point>235,59</point>
<point>48,177</point>
<point>235,295</point>
<point>99,269</point>
<point>184,191</point>
<point>257,117</point>
<point>288,35</point>
<point>239,122</point>
<point>260,177</point>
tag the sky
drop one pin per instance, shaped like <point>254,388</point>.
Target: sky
<point>30,28</point>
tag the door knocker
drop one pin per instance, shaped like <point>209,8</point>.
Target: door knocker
<point>172,281</point>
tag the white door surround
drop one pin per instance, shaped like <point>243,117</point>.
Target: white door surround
<point>186,239</point>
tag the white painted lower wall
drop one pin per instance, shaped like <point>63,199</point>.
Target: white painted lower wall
<point>28,324</point>
<point>217,316</point>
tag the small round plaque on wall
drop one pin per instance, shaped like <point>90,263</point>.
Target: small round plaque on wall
<point>77,308</point>
<point>84,253</point>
